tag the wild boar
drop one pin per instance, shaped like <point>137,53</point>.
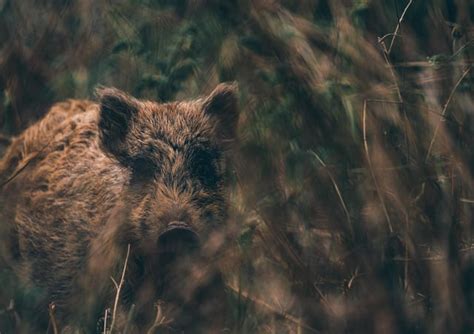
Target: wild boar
<point>94,190</point>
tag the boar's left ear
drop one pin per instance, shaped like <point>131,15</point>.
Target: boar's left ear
<point>222,104</point>
<point>117,110</point>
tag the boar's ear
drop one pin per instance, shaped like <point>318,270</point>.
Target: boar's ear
<point>222,104</point>
<point>116,112</point>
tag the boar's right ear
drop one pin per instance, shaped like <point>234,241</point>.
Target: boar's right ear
<point>222,104</point>
<point>117,110</point>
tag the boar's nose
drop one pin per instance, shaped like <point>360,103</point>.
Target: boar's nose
<point>178,237</point>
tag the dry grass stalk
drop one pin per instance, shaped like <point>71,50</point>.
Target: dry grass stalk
<point>445,108</point>
<point>160,319</point>
<point>52,318</point>
<point>339,194</point>
<point>118,287</point>
<point>105,320</point>
<point>398,26</point>
<point>271,308</point>
<point>369,162</point>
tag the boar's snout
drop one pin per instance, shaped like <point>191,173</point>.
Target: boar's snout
<point>178,237</point>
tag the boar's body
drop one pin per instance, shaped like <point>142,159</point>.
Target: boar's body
<point>92,179</point>
<point>61,199</point>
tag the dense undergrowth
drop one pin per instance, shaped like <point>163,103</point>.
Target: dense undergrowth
<point>352,185</point>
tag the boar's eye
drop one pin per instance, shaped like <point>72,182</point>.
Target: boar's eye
<point>203,167</point>
<point>143,167</point>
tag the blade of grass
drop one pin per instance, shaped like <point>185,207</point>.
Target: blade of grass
<point>369,161</point>
<point>119,288</point>
<point>443,112</point>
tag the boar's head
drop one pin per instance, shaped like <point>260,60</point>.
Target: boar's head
<point>174,153</point>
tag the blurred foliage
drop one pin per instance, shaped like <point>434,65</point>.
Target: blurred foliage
<point>353,199</point>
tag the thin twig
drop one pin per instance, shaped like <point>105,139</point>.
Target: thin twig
<point>18,170</point>
<point>273,309</point>
<point>434,257</point>
<point>392,72</point>
<point>384,101</point>
<point>354,276</point>
<point>405,281</point>
<point>119,287</point>
<point>461,49</point>
<point>445,108</point>
<point>366,146</point>
<point>25,163</point>
<point>160,320</point>
<point>52,308</point>
<point>105,320</point>
<point>386,55</point>
<point>397,87</point>
<point>409,104</point>
<point>398,26</point>
<point>384,37</point>
<point>339,194</point>
<point>428,64</point>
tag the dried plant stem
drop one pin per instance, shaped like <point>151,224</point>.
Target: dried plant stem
<point>25,163</point>
<point>445,108</point>
<point>339,194</point>
<point>160,320</point>
<point>405,281</point>
<point>392,73</point>
<point>105,320</point>
<point>118,287</point>
<point>54,325</point>
<point>466,200</point>
<point>369,161</point>
<point>398,26</point>
<point>386,55</point>
<point>273,309</point>
<point>384,101</point>
<point>412,105</point>
<point>399,93</point>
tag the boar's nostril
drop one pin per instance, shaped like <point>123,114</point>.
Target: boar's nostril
<point>178,237</point>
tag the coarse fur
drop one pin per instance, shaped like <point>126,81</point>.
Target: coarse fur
<point>91,178</point>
